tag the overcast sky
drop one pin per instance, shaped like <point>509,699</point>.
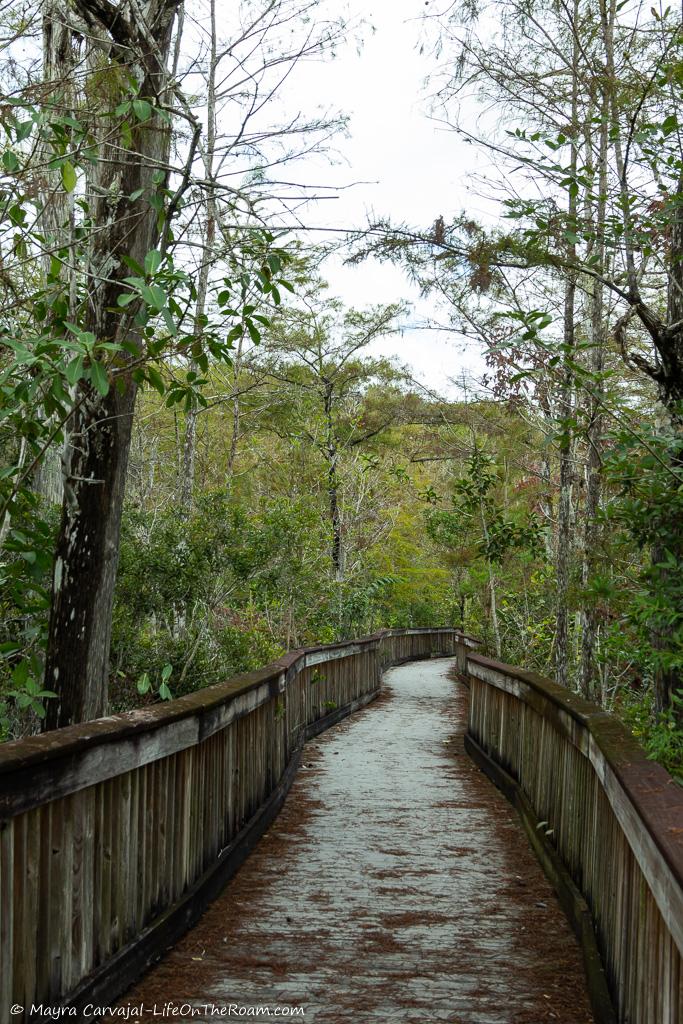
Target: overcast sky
<point>412,168</point>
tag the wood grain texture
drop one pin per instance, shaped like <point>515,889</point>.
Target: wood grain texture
<point>614,818</point>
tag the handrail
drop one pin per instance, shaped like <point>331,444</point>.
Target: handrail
<point>614,819</point>
<point>115,834</point>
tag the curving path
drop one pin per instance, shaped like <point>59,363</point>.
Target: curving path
<point>396,885</point>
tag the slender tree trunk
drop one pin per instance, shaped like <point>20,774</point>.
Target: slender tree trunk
<point>236,414</point>
<point>565,506</point>
<point>100,429</point>
<point>332,456</point>
<point>187,472</point>
<point>57,213</point>
<point>547,495</point>
<point>335,516</point>
<point>493,600</point>
<point>494,612</point>
<point>209,241</point>
<point>590,616</point>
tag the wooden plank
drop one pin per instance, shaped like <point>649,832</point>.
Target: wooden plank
<point>88,881</point>
<point>59,917</point>
<point>79,922</point>
<point>22,896</point>
<point>28,884</point>
<point>7,922</point>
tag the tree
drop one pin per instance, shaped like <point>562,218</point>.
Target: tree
<point>327,385</point>
<point>100,423</point>
<point>118,309</point>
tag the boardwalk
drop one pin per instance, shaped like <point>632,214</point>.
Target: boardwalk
<point>396,885</point>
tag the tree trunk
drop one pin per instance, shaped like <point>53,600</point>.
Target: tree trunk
<point>494,612</point>
<point>589,680</point>
<point>332,456</point>
<point>100,428</point>
<point>565,504</point>
<point>57,212</point>
<point>335,516</point>
<point>236,414</point>
<point>565,517</point>
<point>209,240</point>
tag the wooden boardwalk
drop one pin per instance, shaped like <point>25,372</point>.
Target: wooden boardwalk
<point>396,885</point>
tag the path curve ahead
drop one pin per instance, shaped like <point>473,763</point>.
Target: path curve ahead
<point>396,885</point>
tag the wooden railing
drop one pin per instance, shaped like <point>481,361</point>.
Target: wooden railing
<point>607,823</point>
<point>115,834</point>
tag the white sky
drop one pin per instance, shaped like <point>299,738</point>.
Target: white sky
<point>412,170</point>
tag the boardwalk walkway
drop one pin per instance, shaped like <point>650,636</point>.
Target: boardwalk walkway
<point>396,885</point>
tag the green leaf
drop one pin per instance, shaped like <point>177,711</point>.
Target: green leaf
<point>74,370</point>
<point>69,176</point>
<point>143,110</point>
<point>152,261</point>
<point>174,397</point>
<point>135,267</point>
<point>155,379</point>
<point>165,693</point>
<point>20,674</point>
<point>171,326</point>
<point>24,129</point>
<point>86,338</point>
<point>144,684</point>
<point>159,296</point>
<point>17,215</point>
<point>153,295</point>
<point>166,673</point>
<point>10,161</point>
<point>254,332</point>
<point>99,377</point>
